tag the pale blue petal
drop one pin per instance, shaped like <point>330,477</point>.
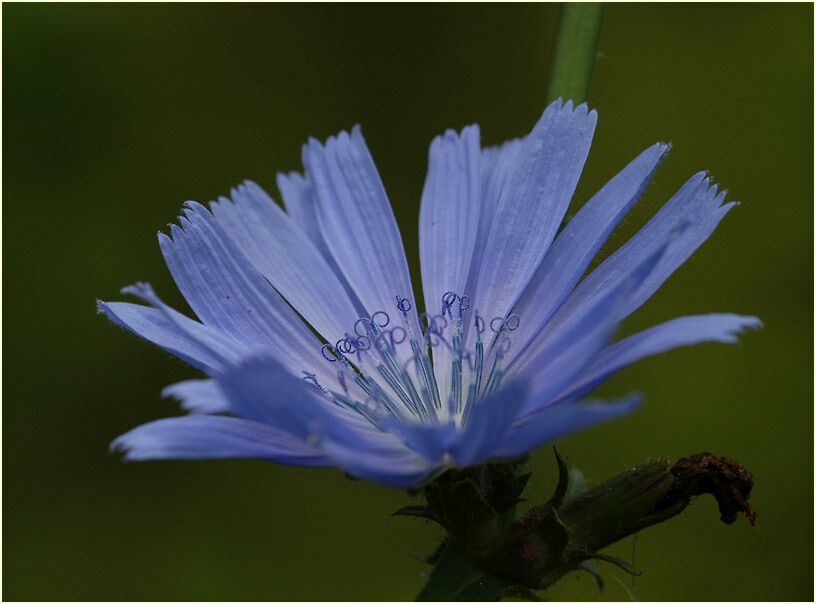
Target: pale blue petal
<point>560,420</point>
<point>260,389</point>
<point>532,205</point>
<point>201,346</point>
<point>431,440</point>
<point>299,199</point>
<point>449,215</point>
<point>496,164</point>
<point>683,331</point>
<point>228,293</point>
<point>558,356</point>
<point>215,437</point>
<point>152,325</point>
<point>287,258</point>
<point>685,222</point>
<point>703,217</point>
<point>563,358</point>
<point>357,221</point>
<point>579,241</point>
<point>198,396</point>
<point>489,421</point>
<point>393,466</point>
<point>448,219</point>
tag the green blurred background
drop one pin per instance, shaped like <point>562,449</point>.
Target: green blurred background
<point>113,115</point>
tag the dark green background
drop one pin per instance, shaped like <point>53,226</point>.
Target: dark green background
<point>113,115</point>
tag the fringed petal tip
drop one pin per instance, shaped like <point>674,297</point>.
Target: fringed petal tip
<point>144,442</point>
<point>282,179</point>
<point>661,149</point>
<point>343,137</point>
<point>629,403</point>
<point>190,208</point>
<point>142,290</point>
<point>742,324</point>
<point>713,190</point>
<point>104,308</point>
<point>141,444</point>
<point>569,106</point>
<point>197,396</point>
<point>119,446</point>
<point>452,136</point>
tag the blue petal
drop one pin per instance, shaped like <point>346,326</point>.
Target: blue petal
<point>357,221</point>
<point>228,293</point>
<point>152,325</point>
<point>580,240</point>
<point>685,222</point>
<point>289,261</point>
<point>565,357</point>
<point>431,441</point>
<point>489,421</point>
<point>298,199</point>
<point>559,420</point>
<point>448,219</point>
<point>202,347</point>
<point>449,214</point>
<point>532,205</point>
<point>559,355</point>
<point>704,212</point>
<point>215,437</point>
<point>684,331</point>
<point>497,164</point>
<point>261,389</point>
<point>392,466</point>
<point>198,396</point>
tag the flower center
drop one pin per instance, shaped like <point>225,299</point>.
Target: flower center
<point>431,374</point>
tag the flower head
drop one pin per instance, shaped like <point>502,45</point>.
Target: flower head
<point>309,331</point>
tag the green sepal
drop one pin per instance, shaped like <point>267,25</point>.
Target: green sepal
<point>619,562</point>
<point>577,483</point>
<point>436,555</point>
<point>456,579</point>
<point>460,505</point>
<point>562,487</point>
<point>417,511</point>
<point>591,567</point>
<point>520,592</point>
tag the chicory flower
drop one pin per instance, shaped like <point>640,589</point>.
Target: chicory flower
<point>308,328</point>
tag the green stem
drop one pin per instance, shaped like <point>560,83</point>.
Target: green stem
<point>575,51</point>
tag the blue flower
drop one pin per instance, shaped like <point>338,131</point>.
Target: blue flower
<point>308,329</point>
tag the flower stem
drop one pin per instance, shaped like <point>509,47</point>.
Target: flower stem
<point>578,32</point>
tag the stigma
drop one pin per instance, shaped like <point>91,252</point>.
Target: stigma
<point>386,368</point>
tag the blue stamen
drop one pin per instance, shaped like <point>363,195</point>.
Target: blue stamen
<point>393,387</point>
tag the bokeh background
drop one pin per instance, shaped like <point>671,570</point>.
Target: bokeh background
<point>113,115</point>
